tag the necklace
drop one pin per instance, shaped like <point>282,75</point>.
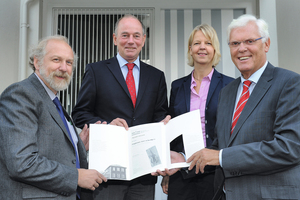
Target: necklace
<point>197,78</point>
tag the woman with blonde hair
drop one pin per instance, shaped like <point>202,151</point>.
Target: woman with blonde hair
<point>198,90</point>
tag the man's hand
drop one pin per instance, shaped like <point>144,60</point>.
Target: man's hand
<point>119,122</point>
<point>166,119</point>
<point>175,158</point>
<point>165,184</point>
<point>99,122</point>
<point>90,178</point>
<point>202,158</point>
<point>84,136</point>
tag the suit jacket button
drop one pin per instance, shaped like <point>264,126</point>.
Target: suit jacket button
<point>205,121</point>
<point>133,119</point>
<point>207,135</point>
<point>74,161</point>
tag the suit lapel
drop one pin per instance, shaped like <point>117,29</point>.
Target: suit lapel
<point>229,108</point>
<point>256,96</point>
<point>49,103</point>
<point>114,67</point>
<point>216,77</point>
<point>187,92</point>
<point>56,117</point>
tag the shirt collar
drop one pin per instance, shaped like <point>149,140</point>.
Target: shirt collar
<point>50,93</point>
<point>123,62</point>
<point>209,76</point>
<point>256,75</point>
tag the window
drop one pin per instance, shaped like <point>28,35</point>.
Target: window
<point>90,34</point>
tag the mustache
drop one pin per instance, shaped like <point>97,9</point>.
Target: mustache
<point>61,74</point>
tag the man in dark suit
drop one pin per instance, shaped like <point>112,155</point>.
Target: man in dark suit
<point>42,158</point>
<point>258,157</point>
<point>104,96</point>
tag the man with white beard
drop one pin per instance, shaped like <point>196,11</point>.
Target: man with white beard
<point>42,156</point>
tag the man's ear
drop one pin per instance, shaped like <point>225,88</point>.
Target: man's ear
<point>267,45</point>
<point>115,39</point>
<point>35,63</point>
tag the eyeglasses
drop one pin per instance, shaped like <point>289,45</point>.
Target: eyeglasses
<point>248,42</point>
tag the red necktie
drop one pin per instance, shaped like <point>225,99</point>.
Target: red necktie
<point>130,83</point>
<point>241,104</point>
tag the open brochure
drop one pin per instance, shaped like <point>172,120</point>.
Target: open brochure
<point>125,155</point>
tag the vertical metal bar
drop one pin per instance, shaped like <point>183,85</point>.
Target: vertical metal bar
<point>89,37</point>
<point>145,20</point>
<point>84,41</point>
<point>97,34</point>
<point>113,30</point>
<point>69,94</point>
<point>61,33</point>
<point>64,33</point>
<point>101,35</point>
<point>109,34</point>
<point>93,37</point>
<point>75,15</point>
<point>81,49</point>
<point>54,22</point>
<point>105,34</point>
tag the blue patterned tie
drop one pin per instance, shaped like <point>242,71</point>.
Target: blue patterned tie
<point>62,116</point>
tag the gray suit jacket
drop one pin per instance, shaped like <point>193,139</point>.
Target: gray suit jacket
<point>261,160</point>
<point>37,158</point>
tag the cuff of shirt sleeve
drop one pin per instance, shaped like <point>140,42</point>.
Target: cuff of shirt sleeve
<point>220,157</point>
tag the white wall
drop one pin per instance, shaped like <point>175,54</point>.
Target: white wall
<point>9,42</point>
<point>268,13</point>
<point>288,32</point>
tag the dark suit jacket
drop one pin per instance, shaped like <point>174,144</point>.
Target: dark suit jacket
<point>261,159</point>
<point>104,96</point>
<point>180,103</point>
<point>37,158</point>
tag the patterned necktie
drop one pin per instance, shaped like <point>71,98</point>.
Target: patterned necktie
<point>130,83</point>
<point>62,116</point>
<point>241,104</point>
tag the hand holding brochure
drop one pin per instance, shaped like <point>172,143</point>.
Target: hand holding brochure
<point>125,155</point>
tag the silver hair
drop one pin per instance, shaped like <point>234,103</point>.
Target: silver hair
<point>243,20</point>
<point>127,16</point>
<point>39,50</point>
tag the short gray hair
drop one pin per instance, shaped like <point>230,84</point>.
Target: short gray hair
<point>243,20</point>
<point>39,50</point>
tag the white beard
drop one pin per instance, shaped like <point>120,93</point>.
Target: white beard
<point>56,85</point>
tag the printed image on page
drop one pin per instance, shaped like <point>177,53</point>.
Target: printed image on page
<point>146,144</point>
<point>108,153</point>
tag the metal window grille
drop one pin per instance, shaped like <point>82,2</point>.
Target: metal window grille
<point>90,31</point>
